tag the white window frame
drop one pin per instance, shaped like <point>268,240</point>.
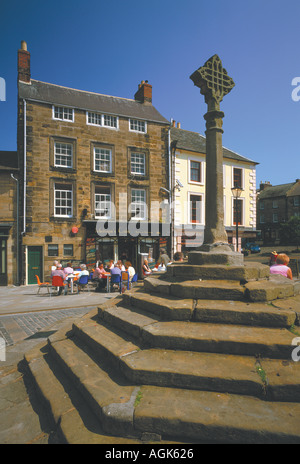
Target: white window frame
<point>65,109</point>
<point>242,176</point>
<point>242,199</point>
<point>103,203</point>
<point>65,156</point>
<point>201,221</point>
<point>141,203</point>
<point>109,153</point>
<point>140,166</point>
<point>63,206</point>
<point>138,125</point>
<point>103,120</point>
<point>195,160</point>
<point>275,218</point>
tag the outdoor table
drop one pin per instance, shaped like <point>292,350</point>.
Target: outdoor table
<point>71,277</point>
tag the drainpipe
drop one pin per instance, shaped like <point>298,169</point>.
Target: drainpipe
<point>24,184</point>
<point>18,241</point>
<point>170,191</point>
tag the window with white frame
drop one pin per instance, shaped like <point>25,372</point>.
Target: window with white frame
<point>275,217</point>
<point>195,208</point>
<point>103,202</point>
<point>195,171</point>
<point>63,155</point>
<point>102,159</point>
<point>238,211</point>
<point>138,163</point>
<point>136,125</point>
<point>238,178</point>
<point>63,113</point>
<point>63,200</point>
<point>105,120</point>
<point>138,207</point>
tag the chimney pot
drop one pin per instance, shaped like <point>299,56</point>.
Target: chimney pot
<point>24,63</point>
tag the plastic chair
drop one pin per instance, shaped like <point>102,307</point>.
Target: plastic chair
<point>82,282</point>
<point>125,278</point>
<point>134,279</point>
<point>42,284</point>
<point>116,279</point>
<point>57,281</point>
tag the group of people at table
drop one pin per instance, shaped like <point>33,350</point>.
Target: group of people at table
<point>99,275</point>
<point>102,273</point>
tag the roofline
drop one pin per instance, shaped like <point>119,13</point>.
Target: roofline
<point>247,160</point>
<point>90,109</point>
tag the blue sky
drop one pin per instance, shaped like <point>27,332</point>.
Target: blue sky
<point>110,46</point>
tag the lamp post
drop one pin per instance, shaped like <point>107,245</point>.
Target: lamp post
<point>236,192</point>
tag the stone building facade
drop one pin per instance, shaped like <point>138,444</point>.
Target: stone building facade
<point>189,179</point>
<point>276,204</point>
<point>92,167</point>
<point>9,181</point>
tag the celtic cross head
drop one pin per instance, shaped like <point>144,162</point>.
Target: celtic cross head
<point>213,80</point>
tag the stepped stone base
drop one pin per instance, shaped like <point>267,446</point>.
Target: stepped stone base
<point>201,354</point>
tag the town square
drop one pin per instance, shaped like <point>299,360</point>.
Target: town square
<point>149,226</point>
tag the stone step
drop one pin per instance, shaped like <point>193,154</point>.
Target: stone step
<point>198,336</point>
<point>254,291</point>
<point>164,307</point>
<point>218,338</point>
<point>249,375</point>
<point>244,273</point>
<point>108,394</point>
<point>242,313</point>
<point>216,311</point>
<point>70,417</point>
<point>202,416</point>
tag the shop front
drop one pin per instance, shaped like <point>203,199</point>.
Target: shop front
<point>118,245</point>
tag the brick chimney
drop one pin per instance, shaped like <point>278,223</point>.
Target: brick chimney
<point>24,63</point>
<point>264,185</point>
<point>144,93</point>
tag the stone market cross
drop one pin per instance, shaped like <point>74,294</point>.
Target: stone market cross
<point>214,84</point>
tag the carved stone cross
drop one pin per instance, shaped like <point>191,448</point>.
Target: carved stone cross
<point>214,84</point>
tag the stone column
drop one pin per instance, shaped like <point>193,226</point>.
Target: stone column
<point>214,84</point>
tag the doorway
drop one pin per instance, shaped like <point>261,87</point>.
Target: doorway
<point>35,264</point>
<point>3,261</point>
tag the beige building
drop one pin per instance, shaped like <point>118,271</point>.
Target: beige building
<point>92,166</point>
<point>188,178</point>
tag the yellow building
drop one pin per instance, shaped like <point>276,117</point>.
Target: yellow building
<point>188,179</point>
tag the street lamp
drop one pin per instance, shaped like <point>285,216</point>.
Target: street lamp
<point>236,192</point>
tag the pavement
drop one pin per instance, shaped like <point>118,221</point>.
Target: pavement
<point>26,319</point>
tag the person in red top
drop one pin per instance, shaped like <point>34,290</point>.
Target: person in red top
<point>99,275</point>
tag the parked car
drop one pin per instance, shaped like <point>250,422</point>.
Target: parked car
<point>252,247</point>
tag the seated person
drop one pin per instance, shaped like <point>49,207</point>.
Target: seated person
<point>68,269</point>
<point>59,272</point>
<point>130,269</point>
<point>163,259</point>
<point>178,256</point>
<point>119,263</point>
<point>99,275</point>
<point>146,268</point>
<point>83,272</point>
<point>281,266</point>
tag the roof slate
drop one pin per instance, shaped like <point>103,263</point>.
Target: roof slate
<point>56,94</point>
<point>193,141</point>
<point>279,191</point>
